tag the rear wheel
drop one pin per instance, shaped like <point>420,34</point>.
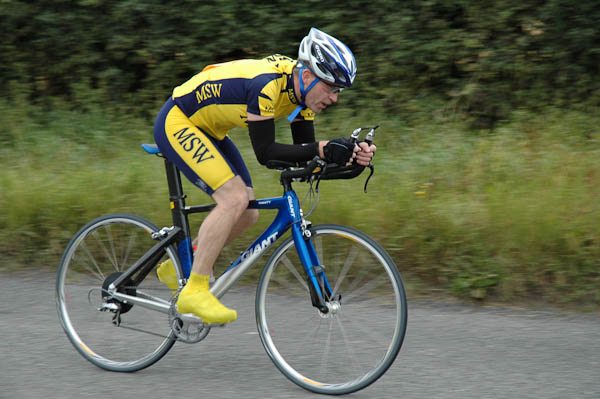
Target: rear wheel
<point>357,340</point>
<point>110,333</point>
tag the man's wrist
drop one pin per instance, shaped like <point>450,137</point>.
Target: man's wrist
<point>322,145</point>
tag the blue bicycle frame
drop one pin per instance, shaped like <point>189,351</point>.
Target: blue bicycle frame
<point>289,215</point>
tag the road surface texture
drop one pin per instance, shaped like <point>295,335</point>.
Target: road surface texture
<point>450,351</point>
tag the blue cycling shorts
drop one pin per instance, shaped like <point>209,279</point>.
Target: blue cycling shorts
<point>204,160</point>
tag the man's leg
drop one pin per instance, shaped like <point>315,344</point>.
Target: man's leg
<point>216,167</point>
<point>166,271</point>
<point>222,224</point>
<point>232,201</point>
<point>248,219</point>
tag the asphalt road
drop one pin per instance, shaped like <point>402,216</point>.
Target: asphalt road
<point>450,351</point>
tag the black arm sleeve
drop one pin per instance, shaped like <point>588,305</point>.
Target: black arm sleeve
<point>303,132</point>
<point>262,136</point>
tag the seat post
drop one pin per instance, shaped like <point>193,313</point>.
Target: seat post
<point>177,197</point>
<point>180,219</point>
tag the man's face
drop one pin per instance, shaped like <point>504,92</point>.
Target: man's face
<point>320,96</point>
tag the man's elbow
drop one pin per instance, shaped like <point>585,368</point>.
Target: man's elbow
<point>262,158</point>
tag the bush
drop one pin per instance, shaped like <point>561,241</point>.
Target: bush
<point>480,60</point>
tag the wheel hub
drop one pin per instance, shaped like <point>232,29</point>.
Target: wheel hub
<point>112,304</point>
<point>334,307</point>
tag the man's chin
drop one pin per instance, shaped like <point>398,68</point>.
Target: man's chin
<point>315,109</point>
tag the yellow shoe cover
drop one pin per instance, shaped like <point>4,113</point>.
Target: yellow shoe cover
<point>166,274</point>
<point>204,305</point>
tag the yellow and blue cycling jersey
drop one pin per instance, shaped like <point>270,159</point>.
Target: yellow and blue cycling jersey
<point>191,128</point>
<point>220,97</point>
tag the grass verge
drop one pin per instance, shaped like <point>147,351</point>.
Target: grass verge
<point>505,216</point>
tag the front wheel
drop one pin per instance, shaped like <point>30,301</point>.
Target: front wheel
<point>112,334</point>
<point>352,345</point>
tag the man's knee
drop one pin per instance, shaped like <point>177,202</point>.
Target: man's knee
<point>251,216</point>
<point>232,195</point>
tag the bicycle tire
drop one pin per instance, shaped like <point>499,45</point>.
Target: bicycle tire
<point>107,246</point>
<point>348,349</point>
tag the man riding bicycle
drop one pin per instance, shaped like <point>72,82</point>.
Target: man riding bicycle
<point>191,131</point>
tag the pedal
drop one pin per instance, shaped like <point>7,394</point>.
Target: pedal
<point>216,325</point>
<point>190,317</point>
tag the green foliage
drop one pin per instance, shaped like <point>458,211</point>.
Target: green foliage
<point>490,214</point>
<point>501,216</point>
<point>477,59</point>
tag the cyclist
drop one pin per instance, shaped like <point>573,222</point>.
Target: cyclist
<point>191,131</point>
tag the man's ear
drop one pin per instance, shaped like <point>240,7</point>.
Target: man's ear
<point>307,77</point>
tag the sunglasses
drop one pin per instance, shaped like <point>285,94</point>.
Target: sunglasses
<point>334,89</point>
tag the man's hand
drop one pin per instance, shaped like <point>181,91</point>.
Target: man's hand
<point>363,153</point>
<point>340,151</point>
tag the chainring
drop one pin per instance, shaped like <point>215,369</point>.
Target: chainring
<point>189,332</point>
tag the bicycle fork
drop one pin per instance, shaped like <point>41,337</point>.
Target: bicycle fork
<point>318,284</point>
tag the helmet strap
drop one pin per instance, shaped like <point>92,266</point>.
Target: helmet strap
<point>302,94</point>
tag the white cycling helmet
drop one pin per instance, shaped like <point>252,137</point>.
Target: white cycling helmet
<point>328,58</point>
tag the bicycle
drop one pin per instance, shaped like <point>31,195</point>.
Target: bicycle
<point>330,290</point>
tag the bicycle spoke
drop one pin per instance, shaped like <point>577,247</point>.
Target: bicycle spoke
<point>98,273</point>
<point>349,346</point>
<point>102,246</point>
<point>287,286</point>
<point>310,336</point>
<point>366,288</point>
<point>325,353</point>
<point>349,262</point>
<point>354,343</point>
<point>374,335</point>
<point>97,253</point>
<point>130,246</point>
<point>318,244</point>
<point>290,266</point>
<point>111,242</point>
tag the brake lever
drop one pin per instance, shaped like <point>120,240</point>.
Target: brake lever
<point>323,166</point>
<point>369,141</point>
<point>369,136</point>
<point>356,134</point>
<point>370,166</point>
